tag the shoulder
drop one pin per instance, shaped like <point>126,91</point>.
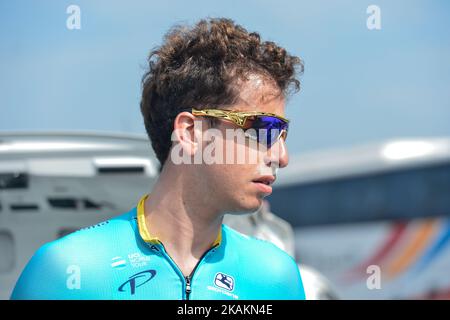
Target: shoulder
<point>98,236</point>
<point>93,240</point>
<point>263,250</point>
<point>55,266</point>
<point>261,259</point>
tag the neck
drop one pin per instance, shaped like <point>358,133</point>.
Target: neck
<point>183,221</point>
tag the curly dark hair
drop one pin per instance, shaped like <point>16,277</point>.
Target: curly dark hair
<point>199,66</point>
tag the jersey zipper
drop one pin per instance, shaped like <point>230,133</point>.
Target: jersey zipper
<point>188,286</point>
<point>187,279</point>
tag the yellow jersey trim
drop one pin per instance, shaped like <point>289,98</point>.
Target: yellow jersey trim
<point>144,232</point>
<point>142,226</point>
<point>218,239</point>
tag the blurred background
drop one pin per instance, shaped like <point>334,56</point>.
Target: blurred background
<point>367,191</point>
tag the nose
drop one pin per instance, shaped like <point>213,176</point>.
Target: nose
<point>277,155</point>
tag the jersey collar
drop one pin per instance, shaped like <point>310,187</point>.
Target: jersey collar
<point>144,232</point>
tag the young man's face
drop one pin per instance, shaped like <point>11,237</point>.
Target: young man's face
<point>240,184</point>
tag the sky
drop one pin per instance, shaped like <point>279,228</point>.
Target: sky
<point>359,85</point>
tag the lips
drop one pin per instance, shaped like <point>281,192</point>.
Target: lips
<point>267,180</point>
<point>264,184</point>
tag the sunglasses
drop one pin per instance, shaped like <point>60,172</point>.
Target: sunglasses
<point>268,128</point>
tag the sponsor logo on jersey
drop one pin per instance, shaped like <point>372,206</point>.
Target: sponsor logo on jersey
<point>137,280</point>
<point>136,260</point>
<point>118,263</point>
<point>224,281</point>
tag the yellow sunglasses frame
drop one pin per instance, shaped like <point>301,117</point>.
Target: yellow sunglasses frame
<point>237,117</point>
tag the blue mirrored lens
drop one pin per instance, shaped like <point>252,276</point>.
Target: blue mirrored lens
<point>269,129</point>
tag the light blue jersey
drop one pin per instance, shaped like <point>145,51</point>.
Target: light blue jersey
<point>119,259</point>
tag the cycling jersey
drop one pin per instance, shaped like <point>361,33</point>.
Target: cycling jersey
<point>120,259</point>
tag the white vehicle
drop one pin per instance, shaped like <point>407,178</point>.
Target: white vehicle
<point>52,184</point>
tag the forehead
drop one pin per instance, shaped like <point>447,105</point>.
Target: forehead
<point>259,93</point>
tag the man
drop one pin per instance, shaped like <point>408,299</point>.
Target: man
<point>203,83</point>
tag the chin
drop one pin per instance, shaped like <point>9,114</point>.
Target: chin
<point>249,206</point>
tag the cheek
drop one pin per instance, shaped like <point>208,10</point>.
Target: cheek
<point>230,174</point>
<point>227,179</point>
<point>219,176</point>
<point>243,153</point>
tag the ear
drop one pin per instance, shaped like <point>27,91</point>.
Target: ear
<point>187,133</point>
